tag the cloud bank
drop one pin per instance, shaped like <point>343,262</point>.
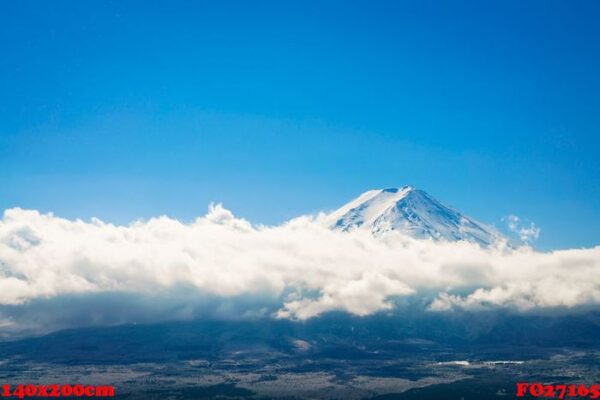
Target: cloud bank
<point>163,268</point>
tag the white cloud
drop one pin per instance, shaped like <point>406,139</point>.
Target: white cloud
<point>527,233</point>
<point>297,270</point>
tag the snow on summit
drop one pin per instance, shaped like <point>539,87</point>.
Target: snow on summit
<point>411,211</point>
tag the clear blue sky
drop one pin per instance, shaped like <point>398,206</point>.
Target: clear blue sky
<point>127,109</point>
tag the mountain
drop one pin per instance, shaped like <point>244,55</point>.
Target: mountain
<point>413,212</point>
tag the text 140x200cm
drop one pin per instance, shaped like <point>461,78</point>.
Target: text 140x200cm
<point>21,391</point>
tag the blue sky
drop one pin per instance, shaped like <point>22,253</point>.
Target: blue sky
<point>126,110</point>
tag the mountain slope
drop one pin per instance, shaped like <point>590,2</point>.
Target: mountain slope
<point>413,212</point>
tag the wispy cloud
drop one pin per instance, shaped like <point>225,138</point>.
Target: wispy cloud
<point>221,264</point>
<point>527,232</point>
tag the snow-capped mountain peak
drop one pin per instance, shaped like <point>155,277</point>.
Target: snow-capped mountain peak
<point>411,211</point>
